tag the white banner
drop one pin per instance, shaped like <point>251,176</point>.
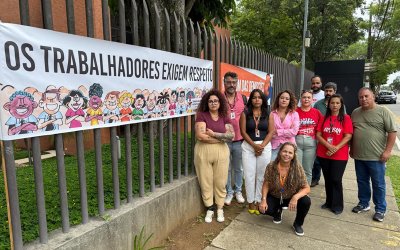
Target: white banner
<point>52,82</point>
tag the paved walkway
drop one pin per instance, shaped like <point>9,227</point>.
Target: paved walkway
<point>323,229</point>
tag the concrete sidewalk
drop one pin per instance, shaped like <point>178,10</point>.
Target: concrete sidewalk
<point>323,229</point>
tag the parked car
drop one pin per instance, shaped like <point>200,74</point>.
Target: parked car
<point>386,96</point>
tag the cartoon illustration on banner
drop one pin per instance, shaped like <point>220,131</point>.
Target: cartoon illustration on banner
<point>89,83</point>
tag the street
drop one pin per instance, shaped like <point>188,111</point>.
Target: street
<point>395,108</point>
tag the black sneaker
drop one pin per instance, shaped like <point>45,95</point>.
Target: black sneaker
<point>278,217</point>
<point>298,229</point>
<point>314,183</point>
<point>360,208</point>
<point>325,206</point>
<point>378,216</point>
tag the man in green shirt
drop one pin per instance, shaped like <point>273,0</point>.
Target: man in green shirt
<point>372,144</point>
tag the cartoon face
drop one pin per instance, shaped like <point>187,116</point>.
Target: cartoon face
<point>95,102</point>
<point>173,96</point>
<point>181,98</point>
<point>126,101</point>
<point>50,103</point>
<point>151,101</point>
<point>76,102</point>
<point>20,105</point>
<point>111,102</point>
<point>139,102</point>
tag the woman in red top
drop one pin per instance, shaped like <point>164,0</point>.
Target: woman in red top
<point>305,138</point>
<point>333,135</point>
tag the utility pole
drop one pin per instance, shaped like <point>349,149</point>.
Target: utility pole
<point>303,51</point>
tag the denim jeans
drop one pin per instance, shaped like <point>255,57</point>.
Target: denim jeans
<point>374,171</point>
<point>235,168</point>
<point>316,171</point>
<point>306,150</point>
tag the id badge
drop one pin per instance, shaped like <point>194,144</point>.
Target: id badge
<point>257,133</point>
<point>232,115</point>
<point>330,140</point>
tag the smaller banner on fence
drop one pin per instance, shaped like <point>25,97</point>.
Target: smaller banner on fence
<point>52,82</point>
<point>248,79</point>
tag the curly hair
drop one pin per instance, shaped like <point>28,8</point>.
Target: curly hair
<point>292,103</point>
<point>296,171</point>
<point>264,105</point>
<point>223,105</point>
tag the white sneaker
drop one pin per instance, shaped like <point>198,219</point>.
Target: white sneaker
<point>209,216</point>
<point>220,215</point>
<point>228,199</point>
<point>239,197</point>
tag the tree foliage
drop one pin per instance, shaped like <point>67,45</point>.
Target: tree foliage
<point>395,85</point>
<point>384,40</point>
<point>277,26</point>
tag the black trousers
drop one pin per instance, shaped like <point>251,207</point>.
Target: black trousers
<point>333,171</point>
<point>303,205</point>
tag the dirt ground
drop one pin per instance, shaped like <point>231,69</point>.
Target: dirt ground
<point>196,234</point>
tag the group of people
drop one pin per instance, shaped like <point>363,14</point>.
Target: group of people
<point>280,153</point>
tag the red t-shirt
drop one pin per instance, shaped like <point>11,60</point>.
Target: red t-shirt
<point>216,126</point>
<point>309,121</point>
<point>334,129</point>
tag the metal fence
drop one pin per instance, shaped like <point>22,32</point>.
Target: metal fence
<point>164,31</point>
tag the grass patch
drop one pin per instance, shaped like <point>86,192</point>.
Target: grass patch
<point>26,187</point>
<point>393,171</point>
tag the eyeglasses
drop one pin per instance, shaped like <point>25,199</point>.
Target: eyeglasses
<point>213,101</point>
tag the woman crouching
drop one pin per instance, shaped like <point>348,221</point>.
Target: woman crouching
<point>285,185</point>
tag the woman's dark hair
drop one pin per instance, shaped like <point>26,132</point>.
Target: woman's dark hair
<point>137,97</point>
<point>292,103</point>
<point>328,113</point>
<point>223,106</point>
<point>73,93</point>
<point>264,105</point>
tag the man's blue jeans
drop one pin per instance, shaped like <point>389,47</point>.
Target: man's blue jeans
<point>235,168</point>
<point>374,171</point>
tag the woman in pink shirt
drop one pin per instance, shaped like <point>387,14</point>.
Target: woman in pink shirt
<point>285,119</point>
<point>305,139</point>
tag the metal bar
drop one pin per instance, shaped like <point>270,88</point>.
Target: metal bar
<point>47,14</point>
<point>227,50</point>
<point>89,18</point>
<point>122,24</point>
<point>157,28</point>
<point>99,171</point>
<point>128,157</point>
<point>184,36</point>
<point>151,147</point>
<point>62,182</point>
<point>193,141</point>
<point>39,190</point>
<point>161,151</point>
<point>170,153</point>
<point>191,31</point>
<point>135,24</point>
<point>176,34</point>
<point>146,25</point>
<point>185,146</point>
<point>114,165</point>
<point>70,16</point>
<point>217,62</point>
<point>82,176</point>
<point>10,182</point>
<point>167,31</point>
<point>205,42</point>
<point>221,49</point>
<point>198,40</point>
<point>106,20</point>
<point>210,45</point>
<point>178,147</point>
<point>24,12</point>
<point>141,159</point>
